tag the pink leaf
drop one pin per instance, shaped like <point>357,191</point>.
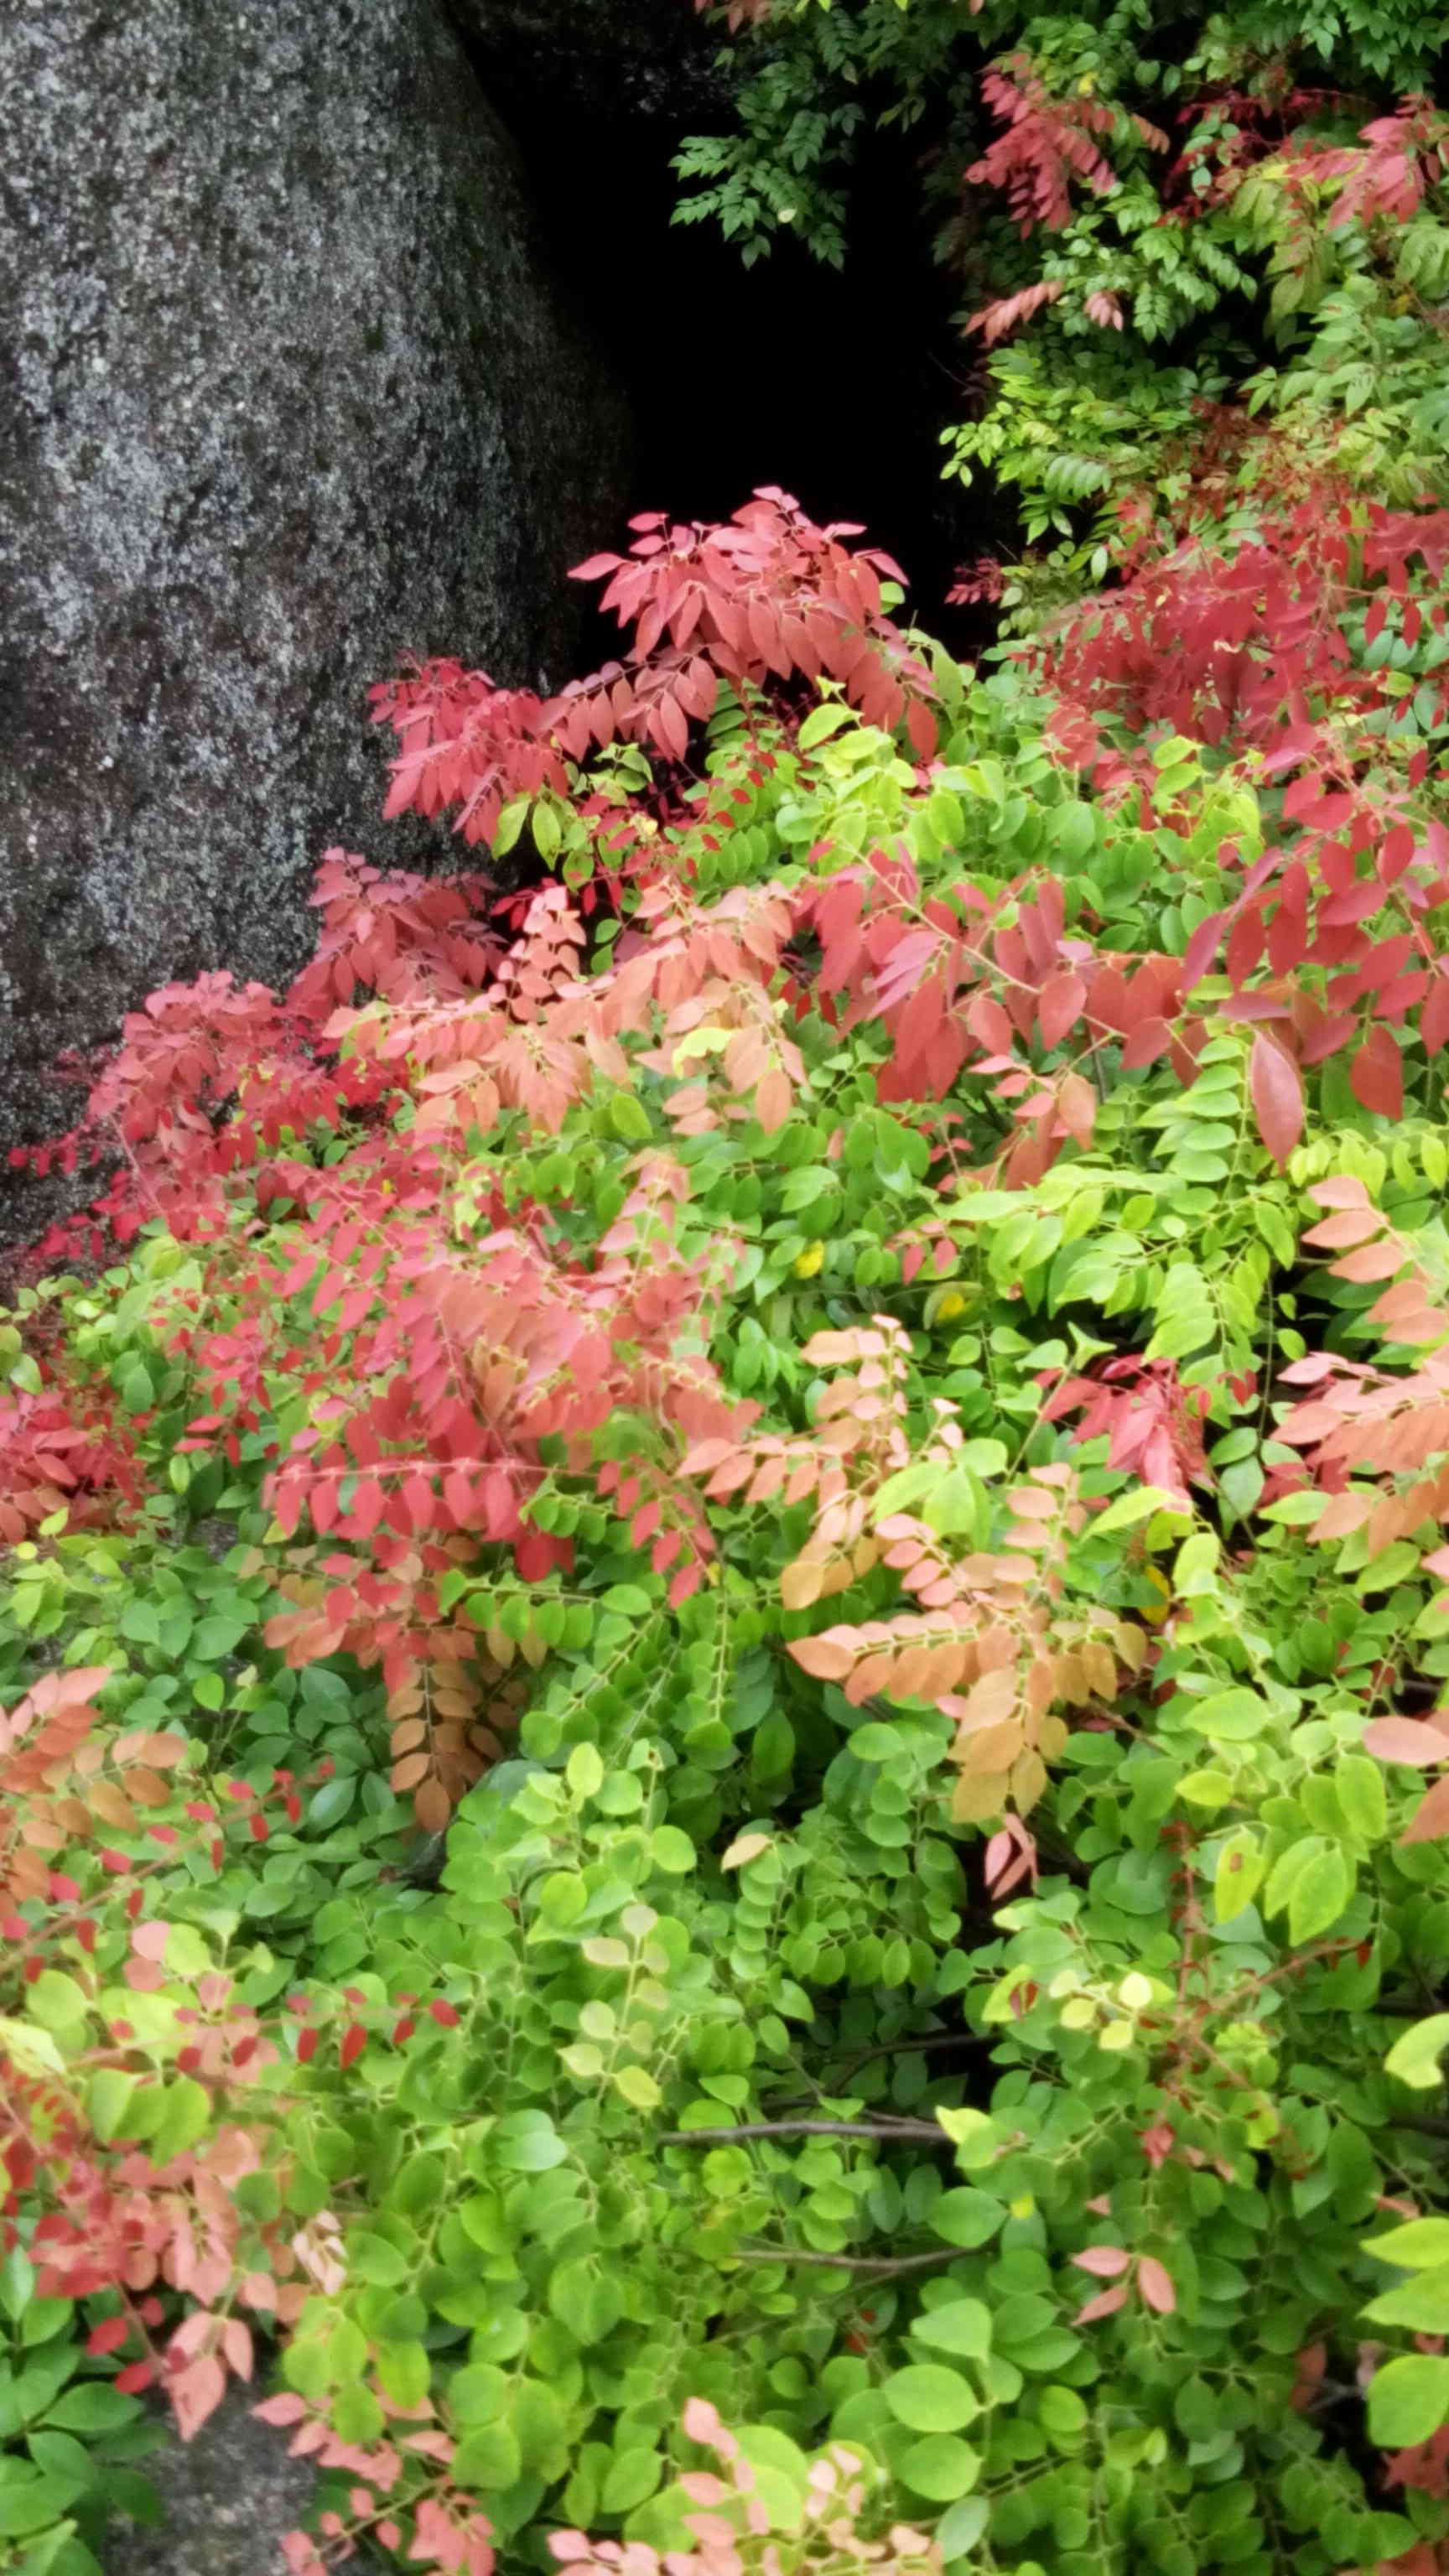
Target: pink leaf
<point>195,2393</point>
<point>1156,2286</point>
<point>284,2409</point>
<point>1105,2304</point>
<point>1406,1739</point>
<point>1106,2261</point>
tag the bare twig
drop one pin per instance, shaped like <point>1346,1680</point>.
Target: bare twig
<point>874,2266</point>
<point>926,2131</point>
<point>854,2058</point>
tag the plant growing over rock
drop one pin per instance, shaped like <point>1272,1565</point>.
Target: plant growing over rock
<point>845,1394</point>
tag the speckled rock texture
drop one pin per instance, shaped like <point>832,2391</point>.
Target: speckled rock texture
<point>645,59</point>
<point>285,395</point>
<point>230,2495</point>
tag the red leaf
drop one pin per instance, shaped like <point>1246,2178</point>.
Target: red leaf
<point>1277,1098</point>
<point>1434,1017</point>
<point>354,2041</point>
<point>1059,1006</point>
<point>1156,2287</point>
<point>444,2013</point>
<point>1377,1075</point>
<point>1201,949</point>
<point>921,728</point>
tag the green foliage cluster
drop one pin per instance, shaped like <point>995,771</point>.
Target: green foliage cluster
<point>68,2440</point>
<point>1218,202</point>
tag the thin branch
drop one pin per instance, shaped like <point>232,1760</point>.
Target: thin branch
<point>854,2059</point>
<point>926,2131</point>
<point>875,2266</point>
<point>921,2045</point>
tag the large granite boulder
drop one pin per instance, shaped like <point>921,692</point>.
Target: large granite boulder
<point>286,394</point>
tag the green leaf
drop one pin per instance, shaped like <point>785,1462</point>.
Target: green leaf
<point>478,2393</point>
<point>1359,1787</point>
<point>673,1851</point>
<point>931,2399</point>
<point>1414,2059</point>
<point>404,2373</point>
<point>587,2299</point>
<point>1239,1874</point>
<point>92,2406</point>
<point>357,2415</point>
<point>958,2531</point>
<point>638,2086</point>
<point>941,2467</point>
<point>185,2116</point>
<point>377,2259</point>
<point>17,2282</point>
<point>56,2001</point>
<point>961,2326</point>
<point>1138,1504</point>
<point>629,1118</point>
<point>585,1771</point>
<point>966,2217</point>
<point>1419,2246</point>
<point>1233,1716</point>
<point>1420,2304</point>
<point>1408,2401</point>
<point>528,2142</point>
<point>488,2459</point>
<point>633,2475</point>
<point>1320,1893</point>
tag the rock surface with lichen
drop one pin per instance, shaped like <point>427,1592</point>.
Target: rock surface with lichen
<point>286,395</point>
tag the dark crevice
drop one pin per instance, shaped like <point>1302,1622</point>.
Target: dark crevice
<point>834,385</point>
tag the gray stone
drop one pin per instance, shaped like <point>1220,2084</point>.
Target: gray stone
<point>230,2494</point>
<point>285,395</point>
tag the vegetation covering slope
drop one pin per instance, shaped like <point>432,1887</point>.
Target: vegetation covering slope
<point>723,1589</point>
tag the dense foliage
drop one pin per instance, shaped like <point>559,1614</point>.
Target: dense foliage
<point>1153,212</point>
<point>847,1386</point>
<point>722,1566</point>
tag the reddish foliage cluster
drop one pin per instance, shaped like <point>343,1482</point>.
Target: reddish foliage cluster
<point>1153,1423</point>
<point>763,600</point>
<point>1254,651</point>
<point>448,2531</point>
<point>64,1450</point>
<point>733,2528</point>
<point>1047,143</point>
<point>1385,174</point>
<point>1233,642</point>
<point>104,2212</point>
